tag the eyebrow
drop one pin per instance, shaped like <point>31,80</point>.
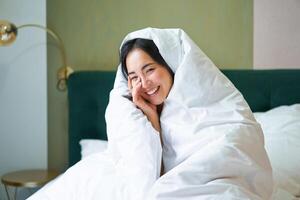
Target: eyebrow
<point>146,65</point>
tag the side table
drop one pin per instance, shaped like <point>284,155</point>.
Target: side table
<point>27,178</point>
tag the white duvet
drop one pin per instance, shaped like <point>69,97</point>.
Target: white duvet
<point>213,147</point>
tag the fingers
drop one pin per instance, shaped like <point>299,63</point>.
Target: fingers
<point>131,83</point>
<point>136,82</point>
<point>139,99</point>
<point>137,91</point>
<point>138,96</point>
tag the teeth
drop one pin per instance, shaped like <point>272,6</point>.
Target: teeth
<point>152,91</point>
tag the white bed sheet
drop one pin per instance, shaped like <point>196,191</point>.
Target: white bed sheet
<point>89,182</point>
<point>281,194</point>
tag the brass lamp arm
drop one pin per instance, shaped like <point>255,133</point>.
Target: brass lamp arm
<point>54,35</point>
<point>8,33</point>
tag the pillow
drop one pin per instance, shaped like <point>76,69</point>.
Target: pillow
<point>91,146</point>
<point>281,127</point>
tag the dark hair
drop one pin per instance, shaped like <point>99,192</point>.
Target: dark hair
<point>146,45</point>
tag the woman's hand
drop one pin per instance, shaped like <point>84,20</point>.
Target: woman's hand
<point>138,98</point>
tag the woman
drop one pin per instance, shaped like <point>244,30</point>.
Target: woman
<point>212,145</point>
<point>183,111</point>
<point>149,77</point>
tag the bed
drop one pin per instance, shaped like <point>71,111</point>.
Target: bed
<point>88,93</point>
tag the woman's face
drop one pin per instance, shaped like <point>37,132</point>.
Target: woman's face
<point>155,78</point>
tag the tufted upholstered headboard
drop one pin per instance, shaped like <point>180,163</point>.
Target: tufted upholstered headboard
<point>88,94</point>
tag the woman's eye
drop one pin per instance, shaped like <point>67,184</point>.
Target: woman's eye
<point>134,78</point>
<point>149,70</point>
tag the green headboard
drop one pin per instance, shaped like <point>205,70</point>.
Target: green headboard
<point>88,94</point>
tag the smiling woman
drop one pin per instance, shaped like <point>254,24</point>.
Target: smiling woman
<point>149,77</point>
<point>195,128</point>
<point>154,79</point>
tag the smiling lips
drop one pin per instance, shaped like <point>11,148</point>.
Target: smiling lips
<point>152,91</point>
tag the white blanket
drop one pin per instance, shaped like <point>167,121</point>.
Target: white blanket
<point>213,147</point>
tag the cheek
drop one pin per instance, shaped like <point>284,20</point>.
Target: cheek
<point>157,77</point>
<point>167,82</point>
<point>163,78</point>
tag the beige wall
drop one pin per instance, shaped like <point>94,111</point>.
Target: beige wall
<point>276,34</point>
<point>92,32</point>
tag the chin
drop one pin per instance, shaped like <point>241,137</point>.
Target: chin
<point>157,102</point>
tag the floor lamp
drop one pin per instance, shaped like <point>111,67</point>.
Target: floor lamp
<point>9,32</point>
<point>32,178</point>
